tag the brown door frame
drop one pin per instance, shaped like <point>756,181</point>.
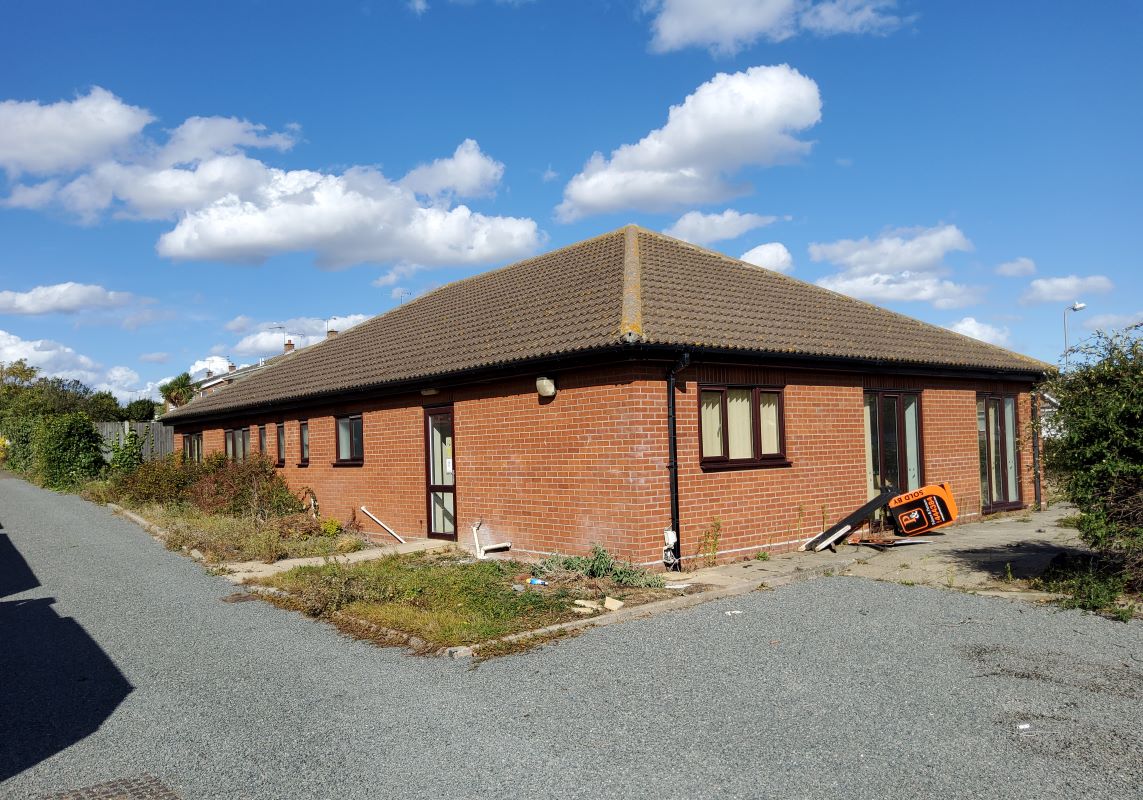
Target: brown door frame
<point>902,455</point>
<point>430,487</point>
<point>1001,429</point>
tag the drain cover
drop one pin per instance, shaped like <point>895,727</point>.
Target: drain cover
<point>144,787</point>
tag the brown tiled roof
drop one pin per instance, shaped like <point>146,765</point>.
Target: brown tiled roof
<point>628,286</point>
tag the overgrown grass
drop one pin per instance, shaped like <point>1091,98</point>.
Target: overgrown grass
<point>1070,521</point>
<point>446,600</point>
<point>225,538</point>
<point>1092,583</point>
<point>600,564</point>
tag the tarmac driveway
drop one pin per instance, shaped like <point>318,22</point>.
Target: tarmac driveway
<point>834,687</point>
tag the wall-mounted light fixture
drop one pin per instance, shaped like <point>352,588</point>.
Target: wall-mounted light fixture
<point>546,387</point>
<point>429,392</point>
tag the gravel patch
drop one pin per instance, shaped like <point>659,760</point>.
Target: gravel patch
<point>832,687</point>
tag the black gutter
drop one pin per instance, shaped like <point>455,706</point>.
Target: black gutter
<point>618,353</point>
<point>673,456</point>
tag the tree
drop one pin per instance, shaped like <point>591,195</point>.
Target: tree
<point>178,390</point>
<point>1097,454</point>
<point>103,407</point>
<point>18,373</point>
<point>140,410</point>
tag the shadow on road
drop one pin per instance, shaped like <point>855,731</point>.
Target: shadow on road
<point>1024,559</point>
<point>57,686</point>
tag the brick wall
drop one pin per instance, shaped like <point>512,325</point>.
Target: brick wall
<point>589,465</point>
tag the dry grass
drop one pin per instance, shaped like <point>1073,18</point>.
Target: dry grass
<point>223,538</point>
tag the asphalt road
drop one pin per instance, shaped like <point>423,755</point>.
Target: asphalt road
<point>836,687</point>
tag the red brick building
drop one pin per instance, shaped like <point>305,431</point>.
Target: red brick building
<point>539,400</point>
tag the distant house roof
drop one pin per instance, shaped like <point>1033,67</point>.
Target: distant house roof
<point>630,286</point>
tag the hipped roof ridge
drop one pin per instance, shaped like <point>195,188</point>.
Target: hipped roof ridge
<point>671,293</point>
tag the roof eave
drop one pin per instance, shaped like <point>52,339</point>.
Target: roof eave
<point>620,351</point>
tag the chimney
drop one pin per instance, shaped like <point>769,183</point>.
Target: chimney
<point>230,367</point>
<point>289,345</point>
<point>330,334</point>
<point>210,373</point>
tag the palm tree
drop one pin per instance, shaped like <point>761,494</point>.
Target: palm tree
<point>178,390</point>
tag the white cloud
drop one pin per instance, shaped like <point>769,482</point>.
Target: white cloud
<point>726,26</point>
<point>357,217</point>
<point>901,264</point>
<point>832,17</point>
<point>730,122</point>
<point>67,135</point>
<point>200,138</point>
<point>239,324</point>
<point>1111,322</point>
<point>699,228</point>
<point>230,206</point>
<point>969,326</point>
<point>1016,267</point>
<point>268,338</point>
<point>903,286</point>
<point>155,358</point>
<point>56,360</point>
<point>397,273</point>
<point>214,364</point>
<point>772,255</point>
<point>549,174</point>
<point>37,195</point>
<point>898,249</point>
<point>62,298</point>
<point>144,191</point>
<point>467,173</point>
<point>418,7</point>
<point>1059,290</point>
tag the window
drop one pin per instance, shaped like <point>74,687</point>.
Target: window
<point>192,447</point>
<point>349,447</point>
<point>741,426</point>
<point>281,430</point>
<point>893,441</point>
<point>999,454</point>
<point>262,439</point>
<point>304,442</point>
<point>237,443</point>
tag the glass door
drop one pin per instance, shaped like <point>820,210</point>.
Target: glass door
<point>439,472</point>
<point>892,441</point>
<point>999,462</point>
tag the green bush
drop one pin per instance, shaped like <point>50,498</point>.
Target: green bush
<point>126,453</point>
<point>1096,452</point>
<point>21,435</point>
<point>242,488</point>
<point>67,451</point>
<point>251,488</point>
<point>162,480</point>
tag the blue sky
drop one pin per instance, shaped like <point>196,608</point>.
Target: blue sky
<point>185,184</point>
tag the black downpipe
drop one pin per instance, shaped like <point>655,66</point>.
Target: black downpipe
<point>673,456</point>
<point>1036,449</point>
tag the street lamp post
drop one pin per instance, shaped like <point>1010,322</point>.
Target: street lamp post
<point>1076,306</point>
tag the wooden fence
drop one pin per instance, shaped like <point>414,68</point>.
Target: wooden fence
<point>157,440</point>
